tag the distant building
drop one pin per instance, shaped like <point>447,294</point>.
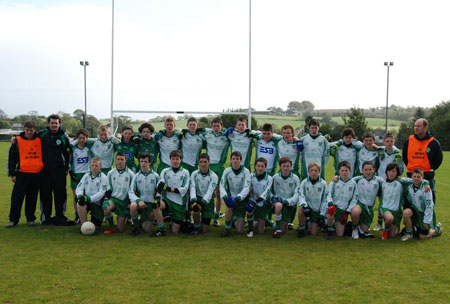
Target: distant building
<point>379,135</point>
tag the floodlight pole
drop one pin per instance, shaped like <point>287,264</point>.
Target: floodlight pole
<point>250,65</point>
<point>388,65</point>
<point>112,69</point>
<point>85,64</point>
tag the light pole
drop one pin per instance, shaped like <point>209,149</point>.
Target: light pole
<point>388,65</point>
<point>85,64</point>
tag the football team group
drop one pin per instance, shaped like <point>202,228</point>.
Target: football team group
<point>186,189</point>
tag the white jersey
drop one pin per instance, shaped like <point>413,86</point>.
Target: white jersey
<point>242,142</point>
<point>103,150</point>
<point>178,179</point>
<point>345,152</point>
<point>392,193</point>
<point>119,183</point>
<point>268,151</point>
<point>367,155</point>
<point>314,194</point>
<point>80,159</point>
<point>342,194</point>
<point>260,188</point>
<point>235,184</point>
<point>315,150</point>
<point>143,187</point>
<point>166,145</point>
<point>386,158</point>
<point>422,201</point>
<point>289,149</point>
<point>203,185</point>
<point>367,190</point>
<point>191,146</point>
<point>286,188</point>
<point>216,146</point>
<point>93,186</point>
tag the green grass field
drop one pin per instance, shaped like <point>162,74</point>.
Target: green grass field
<point>58,265</point>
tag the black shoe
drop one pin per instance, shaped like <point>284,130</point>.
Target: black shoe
<point>276,235</point>
<point>367,235</point>
<point>135,231</point>
<point>330,235</point>
<point>67,223</point>
<point>159,233</point>
<point>225,233</point>
<point>301,233</point>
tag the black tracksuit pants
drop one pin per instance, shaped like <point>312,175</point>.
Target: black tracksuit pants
<point>26,186</point>
<point>53,184</point>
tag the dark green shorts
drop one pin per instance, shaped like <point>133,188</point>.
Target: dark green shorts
<point>287,212</point>
<point>96,212</point>
<point>338,215</point>
<point>218,169</point>
<point>177,212</point>
<point>261,212</point>
<point>74,183</point>
<point>122,208</point>
<point>397,215</point>
<point>315,217</point>
<point>188,167</point>
<point>239,209</point>
<point>105,170</point>
<point>366,217</point>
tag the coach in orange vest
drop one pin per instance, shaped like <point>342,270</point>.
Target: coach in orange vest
<point>423,151</point>
<point>24,168</point>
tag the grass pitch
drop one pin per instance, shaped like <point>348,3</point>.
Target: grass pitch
<point>58,265</point>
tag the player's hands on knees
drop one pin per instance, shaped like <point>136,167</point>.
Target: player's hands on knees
<point>142,205</point>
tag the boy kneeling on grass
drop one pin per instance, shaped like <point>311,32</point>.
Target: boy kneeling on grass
<point>90,192</point>
<point>172,189</point>
<point>341,196</point>
<point>142,198</point>
<point>313,196</point>
<point>116,196</point>
<point>203,186</point>
<point>234,190</point>
<point>285,190</point>
<point>421,211</point>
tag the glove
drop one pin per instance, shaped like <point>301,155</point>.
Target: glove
<point>155,204</point>
<point>199,130</point>
<point>193,200</point>
<point>73,176</point>
<point>82,200</point>
<point>249,132</point>
<point>135,139</point>
<point>230,202</point>
<point>281,200</point>
<point>161,187</point>
<point>196,206</point>
<point>229,131</point>
<point>299,145</point>
<point>333,150</point>
<point>250,206</point>
<point>331,210</point>
<point>344,218</point>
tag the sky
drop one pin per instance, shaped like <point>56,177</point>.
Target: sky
<point>193,55</point>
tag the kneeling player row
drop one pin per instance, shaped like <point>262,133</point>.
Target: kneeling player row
<point>253,195</point>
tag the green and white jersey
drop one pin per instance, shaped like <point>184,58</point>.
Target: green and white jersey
<point>235,183</point>
<point>130,150</point>
<point>386,158</point>
<point>342,152</point>
<point>191,146</point>
<point>103,150</point>
<point>143,187</point>
<point>216,146</point>
<point>392,193</point>
<point>289,149</point>
<point>260,188</point>
<point>342,194</point>
<point>243,143</point>
<point>367,155</point>
<point>166,145</point>
<point>268,151</point>
<point>80,159</point>
<point>314,194</point>
<point>179,179</point>
<point>316,149</point>
<point>287,188</point>
<point>203,185</point>
<point>149,146</point>
<point>367,190</point>
<point>119,183</point>
<point>422,201</point>
<point>93,186</point>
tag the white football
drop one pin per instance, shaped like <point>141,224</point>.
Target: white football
<point>88,228</point>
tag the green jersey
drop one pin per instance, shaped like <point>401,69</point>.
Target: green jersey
<point>235,183</point>
<point>130,150</point>
<point>286,188</point>
<point>119,182</point>
<point>203,185</point>
<point>341,152</point>
<point>242,142</point>
<point>289,149</point>
<point>149,146</point>
<point>191,146</point>
<point>316,149</point>
<point>166,144</point>
<point>216,146</point>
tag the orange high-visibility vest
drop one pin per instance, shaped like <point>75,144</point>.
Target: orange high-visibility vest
<point>30,155</point>
<point>417,154</point>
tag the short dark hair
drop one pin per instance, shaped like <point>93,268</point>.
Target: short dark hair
<point>82,131</point>
<point>124,128</point>
<point>121,154</point>
<point>176,153</point>
<point>368,163</point>
<point>236,153</point>
<point>191,119</point>
<point>348,132</point>
<point>392,166</point>
<point>145,155</point>
<point>29,125</point>
<point>285,160</point>
<point>418,171</point>
<point>241,119</point>
<point>54,116</point>
<point>387,135</point>
<point>216,120</point>
<point>266,127</point>
<point>369,135</point>
<point>346,164</point>
<point>313,122</point>
<point>261,160</point>
<point>146,125</point>
<point>204,156</point>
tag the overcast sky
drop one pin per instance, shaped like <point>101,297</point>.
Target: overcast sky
<point>192,55</point>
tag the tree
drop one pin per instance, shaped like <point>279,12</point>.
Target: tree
<point>295,106</point>
<point>3,115</point>
<point>229,120</point>
<point>404,131</point>
<point>307,105</point>
<point>4,124</point>
<point>420,113</point>
<point>122,121</point>
<point>356,119</point>
<point>439,120</point>
<point>308,118</point>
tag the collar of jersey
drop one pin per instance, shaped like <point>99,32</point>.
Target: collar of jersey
<point>348,179</point>
<point>313,181</point>
<point>146,174</point>
<point>236,171</point>
<point>262,176</point>
<point>290,174</point>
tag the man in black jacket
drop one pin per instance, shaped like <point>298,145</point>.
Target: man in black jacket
<point>55,156</point>
<point>423,151</point>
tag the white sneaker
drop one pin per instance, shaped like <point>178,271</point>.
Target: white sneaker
<point>377,227</point>
<point>355,234</point>
<point>407,237</point>
<point>439,231</point>
<point>216,223</point>
<point>250,234</point>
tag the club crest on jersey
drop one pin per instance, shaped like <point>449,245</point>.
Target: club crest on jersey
<point>58,142</point>
<point>320,144</point>
<point>97,184</point>
<point>291,184</point>
<point>126,178</point>
<point>104,187</point>
<point>420,197</point>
